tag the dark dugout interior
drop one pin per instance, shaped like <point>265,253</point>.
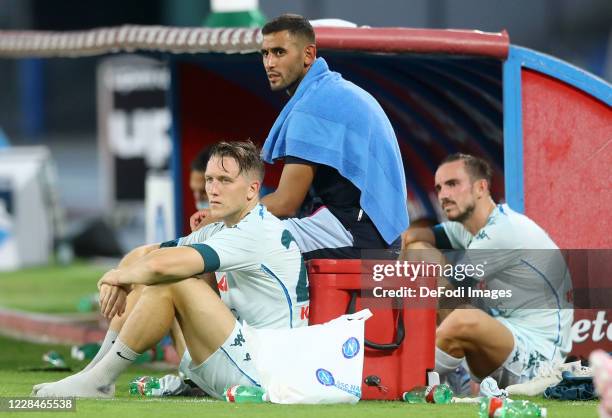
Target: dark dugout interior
<point>437,104</point>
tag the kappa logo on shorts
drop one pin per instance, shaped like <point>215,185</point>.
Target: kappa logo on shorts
<point>238,340</point>
<point>222,285</point>
<point>350,348</point>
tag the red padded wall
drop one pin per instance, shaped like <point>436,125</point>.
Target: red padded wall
<point>214,109</point>
<point>567,159</point>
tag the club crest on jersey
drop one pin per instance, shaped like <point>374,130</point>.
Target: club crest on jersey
<point>222,284</point>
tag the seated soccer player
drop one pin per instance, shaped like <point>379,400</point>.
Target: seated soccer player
<point>508,339</point>
<point>258,272</point>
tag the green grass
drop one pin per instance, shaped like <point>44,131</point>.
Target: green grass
<point>57,289</point>
<point>14,356</point>
<point>50,289</point>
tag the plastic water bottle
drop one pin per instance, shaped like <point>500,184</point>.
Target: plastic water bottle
<point>55,359</point>
<point>85,351</point>
<point>506,408</point>
<point>89,303</point>
<point>429,394</point>
<point>145,385</point>
<point>154,354</point>
<point>245,394</point>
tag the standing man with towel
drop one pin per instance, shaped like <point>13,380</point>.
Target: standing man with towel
<point>335,138</point>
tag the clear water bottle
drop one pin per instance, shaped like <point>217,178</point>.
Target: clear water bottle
<point>145,386</point>
<point>429,394</point>
<point>506,408</point>
<point>245,394</point>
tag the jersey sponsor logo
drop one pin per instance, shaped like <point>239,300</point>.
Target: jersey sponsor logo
<point>222,285</point>
<point>350,348</point>
<point>305,312</point>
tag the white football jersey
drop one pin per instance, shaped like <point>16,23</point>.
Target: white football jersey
<point>518,255</point>
<point>259,269</point>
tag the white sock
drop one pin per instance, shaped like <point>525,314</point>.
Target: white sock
<point>109,339</point>
<point>445,363</point>
<point>98,382</point>
<point>108,342</point>
<point>116,360</point>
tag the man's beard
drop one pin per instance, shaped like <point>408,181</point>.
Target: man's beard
<point>464,215</point>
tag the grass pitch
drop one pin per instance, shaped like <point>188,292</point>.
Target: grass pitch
<point>14,381</point>
<point>57,289</point>
<point>49,289</point>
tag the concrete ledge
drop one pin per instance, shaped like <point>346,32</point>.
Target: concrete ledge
<point>66,329</point>
<point>50,328</point>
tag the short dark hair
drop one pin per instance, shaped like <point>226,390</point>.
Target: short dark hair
<point>477,168</point>
<point>294,24</point>
<point>200,160</point>
<point>245,153</point>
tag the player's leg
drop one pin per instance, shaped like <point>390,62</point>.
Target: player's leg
<point>472,334</point>
<point>422,251</point>
<point>178,339</point>
<point>217,353</point>
<point>118,321</point>
<point>217,350</point>
<point>149,321</point>
<point>321,235</point>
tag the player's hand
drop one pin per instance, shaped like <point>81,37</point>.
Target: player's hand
<point>111,277</point>
<point>198,219</point>
<point>113,300</point>
<point>407,239</point>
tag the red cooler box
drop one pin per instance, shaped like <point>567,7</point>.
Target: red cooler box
<point>400,339</point>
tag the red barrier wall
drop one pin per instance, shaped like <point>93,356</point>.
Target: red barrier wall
<point>567,160</point>
<point>567,180</point>
<point>209,113</point>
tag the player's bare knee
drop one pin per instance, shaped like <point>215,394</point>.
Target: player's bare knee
<point>190,286</point>
<point>460,324</point>
<point>156,290</point>
<point>449,343</point>
<point>419,245</point>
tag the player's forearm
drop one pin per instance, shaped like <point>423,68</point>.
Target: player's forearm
<point>418,234</point>
<point>278,205</point>
<point>136,254</point>
<point>163,265</point>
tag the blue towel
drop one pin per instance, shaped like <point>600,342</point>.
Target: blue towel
<point>332,121</point>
